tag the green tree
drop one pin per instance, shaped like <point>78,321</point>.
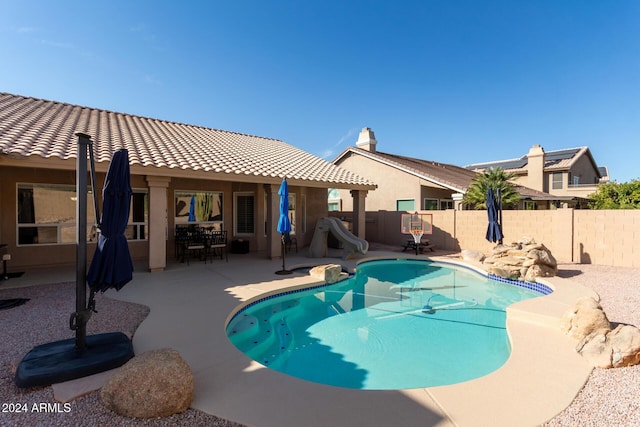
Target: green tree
<point>614,195</point>
<point>495,178</point>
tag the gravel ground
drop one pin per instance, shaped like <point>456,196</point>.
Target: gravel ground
<point>45,318</point>
<point>609,398</point>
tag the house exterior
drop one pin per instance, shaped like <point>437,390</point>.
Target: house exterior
<point>571,173</point>
<point>236,176</point>
<point>411,184</point>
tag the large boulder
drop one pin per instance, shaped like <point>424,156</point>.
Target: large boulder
<point>584,317</point>
<point>595,349</point>
<point>157,383</point>
<point>625,345</point>
<point>471,255</point>
<point>542,256</point>
<point>612,348</point>
<point>330,273</point>
<point>532,272</point>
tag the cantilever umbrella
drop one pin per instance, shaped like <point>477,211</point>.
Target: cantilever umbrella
<point>111,266</point>
<point>69,359</point>
<point>284,224</point>
<point>494,230</point>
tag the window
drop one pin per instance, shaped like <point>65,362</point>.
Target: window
<point>203,208</point>
<point>265,210</point>
<point>429,204</point>
<point>334,200</point>
<point>138,216</point>
<point>446,204</point>
<point>406,205</point>
<point>557,180</point>
<point>292,212</point>
<point>47,215</point>
<point>303,201</point>
<point>244,223</point>
<point>576,180</point>
<point>530,206</point>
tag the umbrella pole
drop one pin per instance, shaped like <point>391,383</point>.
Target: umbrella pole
<point>282,250</point>
<point>500,214</point>
<point>80,317</point>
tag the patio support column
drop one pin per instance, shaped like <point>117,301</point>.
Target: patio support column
<point>359,214</point>
<point>274,244</point>
<point>158,226</point>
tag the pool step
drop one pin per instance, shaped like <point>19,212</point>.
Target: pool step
<point>274,339</point>
<point>243,326</point>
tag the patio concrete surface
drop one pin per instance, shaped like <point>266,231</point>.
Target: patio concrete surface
<point>191,304</point>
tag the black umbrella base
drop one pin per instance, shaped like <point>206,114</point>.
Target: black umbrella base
<point>283,272</point>
<point>60,361</point>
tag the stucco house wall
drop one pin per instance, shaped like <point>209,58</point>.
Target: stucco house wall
<point>390,181</point>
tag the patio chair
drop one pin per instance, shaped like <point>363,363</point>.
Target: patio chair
<point>195,244</point>
<point>216,243</point>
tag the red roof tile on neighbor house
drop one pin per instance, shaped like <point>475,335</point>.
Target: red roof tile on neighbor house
<point>37,127</point>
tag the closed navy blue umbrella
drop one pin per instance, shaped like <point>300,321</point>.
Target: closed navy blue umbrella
<point>192,209</point>
<point>111,266</point>
<point>494,231</point>
<point>284,224</point>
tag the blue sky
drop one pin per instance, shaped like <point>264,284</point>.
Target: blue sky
<point>454,81</point>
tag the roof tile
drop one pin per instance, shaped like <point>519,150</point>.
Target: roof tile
<point>31,126</point>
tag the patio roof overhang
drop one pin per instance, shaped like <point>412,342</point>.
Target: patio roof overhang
<point>69,164</point>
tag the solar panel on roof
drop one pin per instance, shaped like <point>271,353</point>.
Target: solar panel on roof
<point>561,154</point>
<point>513,164</point>
<point>503,164</point>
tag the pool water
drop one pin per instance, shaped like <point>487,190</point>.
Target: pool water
<point>395,324</point>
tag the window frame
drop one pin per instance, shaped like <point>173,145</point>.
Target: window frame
<point>217,224</point>
<point>557,180</point>
<point>398,201</point>
<point>433,202</point>
<point>65,228</point>
<point>236,213</point>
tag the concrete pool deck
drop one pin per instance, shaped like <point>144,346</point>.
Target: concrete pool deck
<point>191,304</point>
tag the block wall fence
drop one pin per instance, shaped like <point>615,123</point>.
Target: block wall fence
<point>601,237</point>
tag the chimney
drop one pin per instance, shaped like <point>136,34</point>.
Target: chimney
<point>367,140</point>
<point>535,168</point>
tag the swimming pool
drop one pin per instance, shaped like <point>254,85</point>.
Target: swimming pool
<point>395,324</point>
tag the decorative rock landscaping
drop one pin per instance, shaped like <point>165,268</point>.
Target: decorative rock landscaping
<point>522,260</point>
<point>598,344</point>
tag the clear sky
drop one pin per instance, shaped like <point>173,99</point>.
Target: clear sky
<point>453,81</point>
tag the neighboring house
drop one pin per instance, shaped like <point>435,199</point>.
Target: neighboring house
<point>410,184</point>
<point>235,176</point>
<point>570,173</point>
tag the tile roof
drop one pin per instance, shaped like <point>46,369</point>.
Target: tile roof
<point>37,127</point>
<point>453,177</point>
<point>450,176</point>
